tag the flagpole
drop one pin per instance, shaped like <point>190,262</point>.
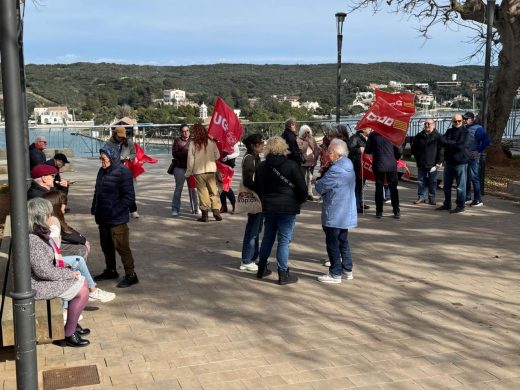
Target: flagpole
<point>362,186</point>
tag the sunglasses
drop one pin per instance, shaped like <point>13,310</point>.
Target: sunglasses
<point>457,121</point>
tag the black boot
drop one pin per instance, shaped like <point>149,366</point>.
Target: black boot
<point>263,270</point>
<point>82,331</point>
<point>216,215</point>
<point>285,277</point>
<point>204,217</point>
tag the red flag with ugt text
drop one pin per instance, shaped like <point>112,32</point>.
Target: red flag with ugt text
<point>226,173</point>
<point>387,121</point>
<point>225,126</point>
<point>403,101</point>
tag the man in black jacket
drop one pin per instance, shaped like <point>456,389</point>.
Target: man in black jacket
<point>113,197</point>
<point>455,143</point>
<point>58,161</point>
<point>427,150</point>
<point>36,152</point>
<point>384,165</point>
<point>356,147</point>
<point>289,135</point>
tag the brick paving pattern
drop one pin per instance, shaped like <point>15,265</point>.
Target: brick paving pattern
<point>434,303</point>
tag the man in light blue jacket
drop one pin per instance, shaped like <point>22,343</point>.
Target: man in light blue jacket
<point>339,213</point>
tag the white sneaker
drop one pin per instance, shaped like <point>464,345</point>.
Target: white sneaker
<point>251,267</point>
<point>326,263</point>
<point>65,316</point>
<point>328,278</point>
<point>348,275</point>
<point>175,213</point>
<point>198,212</point>
<point>135,214</point>
<point>101,296</point>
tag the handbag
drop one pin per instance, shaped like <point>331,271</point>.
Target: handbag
<point>248,201</point>
<point>172,166</point>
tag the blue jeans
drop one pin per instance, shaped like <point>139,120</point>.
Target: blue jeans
<point>280,227</point>
<point>426,178</point>
<point>338,250</point>
<point>457,173</point>
<point>252,238</point>
<point>473,179</point>
<point>78,263</point>
<point>179,174</point>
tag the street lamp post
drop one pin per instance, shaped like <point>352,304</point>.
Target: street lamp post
<point>340,18</point>
<point>485,93</point>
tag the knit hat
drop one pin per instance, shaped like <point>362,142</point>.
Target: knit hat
<point>43,170</point>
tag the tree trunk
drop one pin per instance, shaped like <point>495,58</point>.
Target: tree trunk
<point>504,87</point>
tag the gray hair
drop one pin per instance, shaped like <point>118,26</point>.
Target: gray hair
<point>339,146</point>
<point>289,121</point>
<point>305,129</point>
<point>38,139</point>
<point>38,212</point>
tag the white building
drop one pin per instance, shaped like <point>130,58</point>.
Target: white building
<point>52,115</point>
<point>311,106</point>
<point>203,111</point>
<point>174,96</point>
<point>425,100</point>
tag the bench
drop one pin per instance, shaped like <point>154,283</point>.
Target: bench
<point>48,314</point>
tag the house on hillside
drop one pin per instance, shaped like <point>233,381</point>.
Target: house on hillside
<point>52,115</point>
<point>174,96</point>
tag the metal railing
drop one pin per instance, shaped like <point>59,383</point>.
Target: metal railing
<point>158,138</point>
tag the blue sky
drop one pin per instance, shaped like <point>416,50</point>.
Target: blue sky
<point>171,32</point>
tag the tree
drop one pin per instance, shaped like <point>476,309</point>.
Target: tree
<point>472,14</point>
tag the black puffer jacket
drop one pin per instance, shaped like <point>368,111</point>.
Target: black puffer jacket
<point>280,184</point>
<point>355,143</point>
<point>384,154</point>
<point>114,193</point>
<point>426,149</point>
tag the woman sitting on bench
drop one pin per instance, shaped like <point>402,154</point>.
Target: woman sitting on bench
<point>51,278</point>
<point>73,246</point>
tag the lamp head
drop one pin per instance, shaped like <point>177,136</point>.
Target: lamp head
<point>340,18</point>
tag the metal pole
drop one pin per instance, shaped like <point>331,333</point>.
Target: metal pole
<point>338,81</point>
<point>485,98</point>
<point>23,295</point>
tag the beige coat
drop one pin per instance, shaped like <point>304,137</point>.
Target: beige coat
<point>202,160</point>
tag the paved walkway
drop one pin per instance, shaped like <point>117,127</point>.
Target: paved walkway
<point>434,303</point>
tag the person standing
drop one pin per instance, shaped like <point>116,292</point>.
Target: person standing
<point>126,150</point>
<point>180,154</point>
<point>113,197</point>
<point>310,152</point>
<point>254,145</point>
<point>36,152</point>
<point>230,161</point>
<point>356,147</point>
<point>289,136</point>
<point>337,188</point>
<point>478,141</point>
<point>427,151</point>
<point>384,165</point>
<point>281,187</point>
<point>202,156</point>
<point>455,143</point>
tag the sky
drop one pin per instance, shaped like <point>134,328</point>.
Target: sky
<point>172,32</point>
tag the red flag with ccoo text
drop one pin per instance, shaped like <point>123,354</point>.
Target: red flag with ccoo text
<point>387,121</point>
<point>402,101</point>
<point>225,126</point>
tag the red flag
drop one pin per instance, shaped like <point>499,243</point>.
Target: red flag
<point>136,166</point>
<point>226,173</point>
<point>387,121</point>
<point>225,126</point>
<point>368,174</point>
<point>404,101</point>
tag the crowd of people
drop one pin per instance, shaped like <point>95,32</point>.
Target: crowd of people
<point>278,185</point>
